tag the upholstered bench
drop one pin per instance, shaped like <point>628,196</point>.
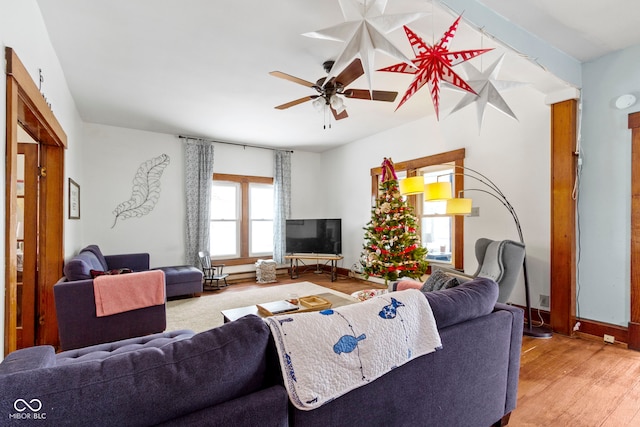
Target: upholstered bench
<point>182,280</point>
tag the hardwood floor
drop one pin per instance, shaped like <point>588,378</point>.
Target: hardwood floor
<point>575,382</point>
<point>343,284</point>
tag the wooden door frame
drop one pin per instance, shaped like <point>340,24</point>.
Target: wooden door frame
<point>26,105</point>
<point>633,340</point>
<point>564,129</point>
<point>563,234</point>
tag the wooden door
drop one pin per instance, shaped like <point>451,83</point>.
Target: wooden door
<point>27,247</point>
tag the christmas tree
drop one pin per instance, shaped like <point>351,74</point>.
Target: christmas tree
<point>392,248</point>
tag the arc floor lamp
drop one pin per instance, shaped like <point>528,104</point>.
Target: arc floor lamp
<point>441,190</point>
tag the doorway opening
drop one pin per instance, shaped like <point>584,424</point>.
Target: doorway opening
<point>40,253</point>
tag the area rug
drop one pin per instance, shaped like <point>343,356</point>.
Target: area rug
<point>201,314</point>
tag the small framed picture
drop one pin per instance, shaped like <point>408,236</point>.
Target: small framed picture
<point>74,200</point>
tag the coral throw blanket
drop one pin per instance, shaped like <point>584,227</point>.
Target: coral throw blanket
<point>125,292</point>
<point>327,353</point>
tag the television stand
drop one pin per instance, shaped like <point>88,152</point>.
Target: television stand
<point>294,260</point>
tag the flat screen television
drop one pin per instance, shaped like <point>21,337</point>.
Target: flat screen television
<point>316,236</point>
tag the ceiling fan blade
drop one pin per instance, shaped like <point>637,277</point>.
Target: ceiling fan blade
<point>291,78</point>
<point>378,95</point>
<point>349,74</point>
<point>296,102</point>
<point>339,116</point>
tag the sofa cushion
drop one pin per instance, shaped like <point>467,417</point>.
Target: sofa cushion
<point>472,299</point>
<point>79,267</point>
<point>102,351</point>
<point>181,273</point>
<point>29,358</point>
<point>95,249</point>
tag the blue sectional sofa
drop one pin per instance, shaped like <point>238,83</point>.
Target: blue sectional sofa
<point>78,325</point>
<point>231,375</point>
<point>216,378</point>
<point>180,279</point>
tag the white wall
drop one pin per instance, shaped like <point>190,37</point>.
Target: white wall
<point>115,155</point>
<point>22,28</point>
<point>513,154</point>
<point>604,204</point>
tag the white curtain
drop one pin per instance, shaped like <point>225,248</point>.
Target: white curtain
<point>198,166</point>
<point>282,202</point>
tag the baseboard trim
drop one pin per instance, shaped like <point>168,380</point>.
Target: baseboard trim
<point>599,329</point>
<point>588,328</point>
<point>634,336</point>
<point>243,276</point>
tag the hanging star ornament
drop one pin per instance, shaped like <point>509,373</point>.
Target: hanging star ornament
<point>364,33</point>
<point>433,65</point>
<point>487,87</point>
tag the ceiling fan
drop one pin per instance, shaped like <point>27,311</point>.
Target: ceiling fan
<point>328,91</point>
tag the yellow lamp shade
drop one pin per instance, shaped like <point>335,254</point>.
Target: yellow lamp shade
<point>459,206</point>
<point>412,185</point>
<point>437,191</point>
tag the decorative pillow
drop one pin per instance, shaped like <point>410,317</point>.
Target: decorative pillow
<point>408,284</point>
<point>95,250</point>
<point>96,273</point>
<point>439,280</point>
<point>78,267</point>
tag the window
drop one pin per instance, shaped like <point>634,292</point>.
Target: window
<point>442,235</point>
<point>241,217</point>
<point>225,219</point>
<point>261,217</point>
<point>436,228</point>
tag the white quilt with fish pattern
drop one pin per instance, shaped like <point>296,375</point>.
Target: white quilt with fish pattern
<point>325,354</point>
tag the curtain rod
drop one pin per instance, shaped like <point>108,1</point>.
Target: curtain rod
<point>231,143</point>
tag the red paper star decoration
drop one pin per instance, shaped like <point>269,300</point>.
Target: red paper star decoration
<point>434,65</point>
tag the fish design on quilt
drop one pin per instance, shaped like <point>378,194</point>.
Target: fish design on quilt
<point>390,311</point>
<point>347,343</point>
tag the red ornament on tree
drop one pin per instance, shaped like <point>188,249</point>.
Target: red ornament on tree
<point>434,64</point>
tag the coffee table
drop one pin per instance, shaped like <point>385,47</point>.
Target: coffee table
<point>236,313</point>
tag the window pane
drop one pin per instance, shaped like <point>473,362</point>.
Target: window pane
<point>436,207</point>
<point>224,239</point>
<point>261,201</point>
<point>261,237</point>
<point>436,237</point>
<point>436,231</point>
<point>224,200</point>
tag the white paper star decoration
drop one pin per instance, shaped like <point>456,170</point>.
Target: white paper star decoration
<point>364,33</point>
<point>487,87</point>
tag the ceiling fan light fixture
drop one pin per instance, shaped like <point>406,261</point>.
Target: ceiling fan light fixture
<point>337,103</point>
<point>318,103</point>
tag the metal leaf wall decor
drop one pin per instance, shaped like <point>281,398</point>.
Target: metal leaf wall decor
<point>146,190</point>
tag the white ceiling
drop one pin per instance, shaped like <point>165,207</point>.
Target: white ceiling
<point>200,67</point>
